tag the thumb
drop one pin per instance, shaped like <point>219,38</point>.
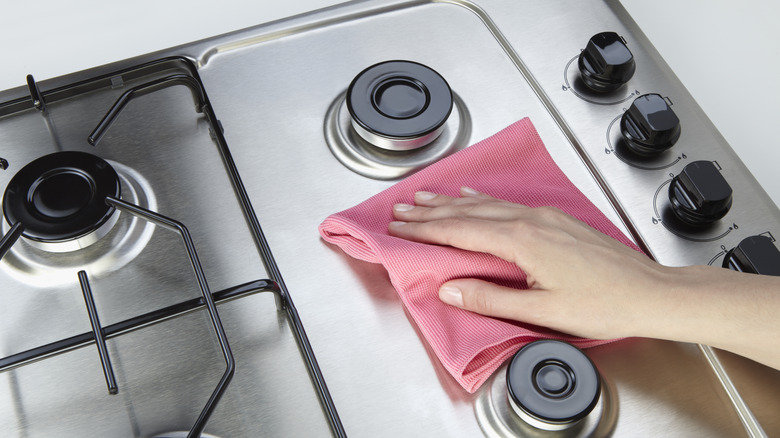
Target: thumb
<point>487,298</point>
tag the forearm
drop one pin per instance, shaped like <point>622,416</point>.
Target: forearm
<point>717,307</point>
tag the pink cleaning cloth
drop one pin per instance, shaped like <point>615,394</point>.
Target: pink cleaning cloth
<point>512,165</point>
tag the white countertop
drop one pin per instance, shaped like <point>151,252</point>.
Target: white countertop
<point>726,53</point>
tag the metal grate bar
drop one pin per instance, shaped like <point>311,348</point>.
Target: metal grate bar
<point>133,324</point>
<point>211,307</point>
<point>97,330</point>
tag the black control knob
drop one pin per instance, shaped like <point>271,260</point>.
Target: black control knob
<point>552,385</point>
<point>699,194</point>
<point>606,63</point>
<point>650,126</point>
<point>756,254</point>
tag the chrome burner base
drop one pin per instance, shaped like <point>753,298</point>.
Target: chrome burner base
<point>371,161</point>
<point>497,418</point>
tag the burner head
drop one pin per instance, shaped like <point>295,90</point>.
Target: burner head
<point>399,105</point>
<point>60,199</point>
<point>552,385</point>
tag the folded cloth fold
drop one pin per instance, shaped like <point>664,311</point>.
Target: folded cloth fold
<point>512,165</point>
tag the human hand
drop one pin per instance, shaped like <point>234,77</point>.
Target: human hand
<point>585,283</point>
<point>580,281</point>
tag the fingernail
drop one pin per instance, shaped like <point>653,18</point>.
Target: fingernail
<point>396,224</point>
<point>468,191</point>
<point>424,196</point>
<point>402,207</point>
<point>451,295</point>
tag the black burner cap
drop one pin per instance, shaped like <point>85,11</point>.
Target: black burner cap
<point>61,196</point>
<point>399,99</point>
<point>553,381</point>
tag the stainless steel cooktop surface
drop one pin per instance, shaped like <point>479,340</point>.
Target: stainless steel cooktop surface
<point>254,152</point>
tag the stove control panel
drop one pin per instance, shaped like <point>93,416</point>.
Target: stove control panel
<point>682,192</point>
<point>678,186</point>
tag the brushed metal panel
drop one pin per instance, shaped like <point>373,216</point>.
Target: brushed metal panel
<point>271,87</point>
<point>412,395</point>
<point>165,372</point>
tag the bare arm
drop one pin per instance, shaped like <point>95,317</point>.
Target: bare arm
<point>585,283</point>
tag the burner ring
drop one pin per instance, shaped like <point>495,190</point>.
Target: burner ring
<point>61,196</point>
<point>399,105</point>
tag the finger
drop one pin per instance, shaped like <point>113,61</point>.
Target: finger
<point>484,208</point>
<point>490,299</point>
<point>495,220</point>
<point>465,233</point>
<point>430,199</point>
<point>473,193</point>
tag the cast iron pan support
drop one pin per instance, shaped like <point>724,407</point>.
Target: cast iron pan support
<point>211,307</point>
<point>10,238</point>
<point>275,284</point>
<point>98,333</point>
<point>284,301</point>
<point>135,323</point>
<point>35,94</point>
<point>150,87</point>
<point>97,330</point>
<point>39,102</point>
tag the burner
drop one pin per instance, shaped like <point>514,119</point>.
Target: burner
<point>60,199</point>
<point>399,105</point>
<point>552,385</point>
<point>501,416</point>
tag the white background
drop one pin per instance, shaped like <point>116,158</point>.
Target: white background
<point>726,52</point>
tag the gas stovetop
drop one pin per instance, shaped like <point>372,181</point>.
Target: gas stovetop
<point>235,148</point>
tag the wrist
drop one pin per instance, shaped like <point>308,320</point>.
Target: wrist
<point>707,305</point>
<point>672,303</point>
